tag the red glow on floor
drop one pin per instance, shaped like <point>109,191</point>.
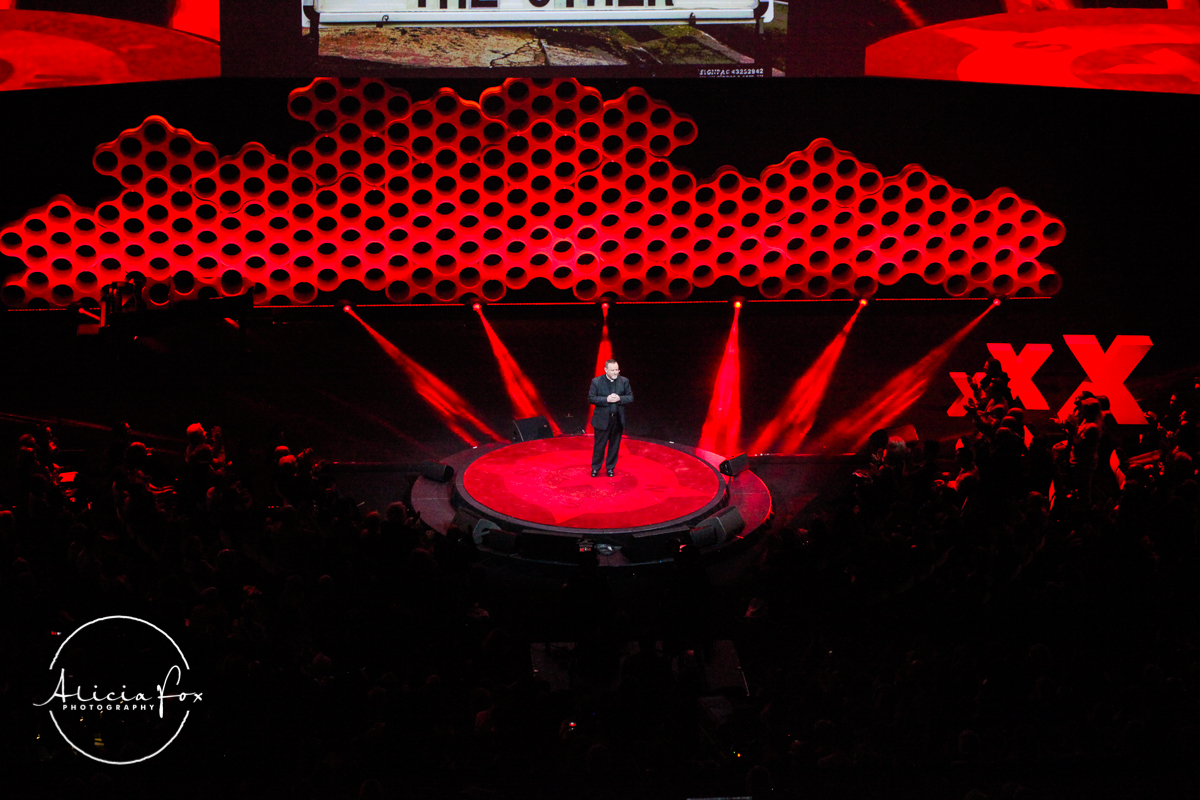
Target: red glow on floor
<point>883,407</point>
<point>602,357</point>
<point>786,432</point>
<point>549,482</point>
<point>722,431</point>
<point>521,391</point>
<point>453,410</point>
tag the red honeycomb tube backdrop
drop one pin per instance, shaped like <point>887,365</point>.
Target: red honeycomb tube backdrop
<point>449,198</point>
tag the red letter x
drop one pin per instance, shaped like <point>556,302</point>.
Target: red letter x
<point>1107,372</point>
<point>958,407</point>
<point>1020,369</point>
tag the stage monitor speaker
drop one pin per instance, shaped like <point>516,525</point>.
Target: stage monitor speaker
<point>488,534</point>
<point>441,473</point>
<point>549,546</point>
<point>736,465</point>
<point>654,545</point>
<point>525,430</point>
<point>481,530</point>
<point>719,528</point>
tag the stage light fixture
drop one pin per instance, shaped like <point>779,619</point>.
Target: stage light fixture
<point>889,402</point>
<point>456,413</point>
<point>723,425</point>
<point>526,401</point>
<point>790,426</point>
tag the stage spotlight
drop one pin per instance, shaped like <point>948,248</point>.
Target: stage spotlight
<point>722,429</point>
<point>788,430</point>
<point>526,402</point>
<point>880,409</point>
<point>454,411</point>
<point>602,356</point>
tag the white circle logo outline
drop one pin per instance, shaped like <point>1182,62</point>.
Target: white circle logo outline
<point>185,713</point>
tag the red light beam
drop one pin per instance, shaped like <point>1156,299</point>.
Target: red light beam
<point>446,403</point>
<point>521,391</point>
<point>602,356</point>
<point>907,10</point>
<point>881,408</point>
<point>787,430</point>
<point>722,430</point>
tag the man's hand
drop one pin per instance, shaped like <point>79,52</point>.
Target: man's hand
<point>614,398</point>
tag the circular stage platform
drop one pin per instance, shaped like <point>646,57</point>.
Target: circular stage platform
<point>539,502</point>
<point>1139,49</point>
<point>41,49</point>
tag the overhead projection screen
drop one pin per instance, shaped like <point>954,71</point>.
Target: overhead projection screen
<point>484,13</point>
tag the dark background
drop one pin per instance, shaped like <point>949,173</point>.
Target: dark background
<point>1118,168</point>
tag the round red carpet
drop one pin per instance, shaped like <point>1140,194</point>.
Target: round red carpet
<point>549,482</point>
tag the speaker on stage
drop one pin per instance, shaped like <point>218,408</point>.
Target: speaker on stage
<point>735,465</point>
<point>488,534</point>
<point>719,528</point>
<point>654,545</point>
<point>525,430</point>
<point>436,472</point>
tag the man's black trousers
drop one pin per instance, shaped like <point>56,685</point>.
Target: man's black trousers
<point>610,437</point>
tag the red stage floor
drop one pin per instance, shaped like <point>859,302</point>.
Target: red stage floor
<point>548,482</point>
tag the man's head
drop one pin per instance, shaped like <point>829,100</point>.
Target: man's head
<point>612,369</point>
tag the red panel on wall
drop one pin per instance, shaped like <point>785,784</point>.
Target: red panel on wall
<point>451,197</point>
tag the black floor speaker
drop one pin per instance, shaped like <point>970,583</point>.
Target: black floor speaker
<point>719,528</point>
<point>736,465</point>
<point>525,430</point>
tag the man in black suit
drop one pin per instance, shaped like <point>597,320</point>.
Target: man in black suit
<point>609,393</point>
